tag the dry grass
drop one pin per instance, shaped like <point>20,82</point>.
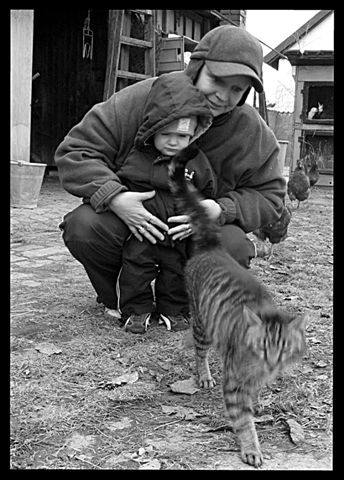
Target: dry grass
<point>66,412</point>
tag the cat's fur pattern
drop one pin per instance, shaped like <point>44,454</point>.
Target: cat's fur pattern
<point>231,310</point>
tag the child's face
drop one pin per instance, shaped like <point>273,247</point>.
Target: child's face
<point>169,143</point>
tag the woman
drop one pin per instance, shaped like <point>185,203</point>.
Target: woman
<point>241,148</point>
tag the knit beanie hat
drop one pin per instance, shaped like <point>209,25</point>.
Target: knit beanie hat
<point>186,126</point>
<point>229,51</point>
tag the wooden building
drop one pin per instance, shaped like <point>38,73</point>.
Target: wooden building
<point>71,61</point>
<point>314,110</point>
<point>310,50</point>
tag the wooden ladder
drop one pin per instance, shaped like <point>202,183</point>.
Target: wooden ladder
<point>120,42</point>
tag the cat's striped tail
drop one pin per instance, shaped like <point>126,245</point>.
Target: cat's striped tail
<point>206,232</point>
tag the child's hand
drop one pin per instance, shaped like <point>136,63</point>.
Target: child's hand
<point>181,231</point>
<point>184,229</point>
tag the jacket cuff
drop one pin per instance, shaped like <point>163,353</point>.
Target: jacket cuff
<point>101,198</point>
<point>228,211</point>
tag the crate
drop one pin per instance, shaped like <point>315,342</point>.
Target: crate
<point>172,51</point>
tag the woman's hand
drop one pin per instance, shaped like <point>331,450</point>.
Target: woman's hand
<point>128,206</point>
<point>212,207</point>
<point>184,230</point>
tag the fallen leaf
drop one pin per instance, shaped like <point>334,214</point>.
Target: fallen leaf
<point>321,364</point>
<point>180,412</point>
<point>307,370</point>
<point>125,422</point>
<point>169,410</point>
<point>220,428</point>
<point>123,362</point>
<point>126,378</point>
<point>80,442</point>
<point>264,419</point>
<point>265,402</point>
<point>151,465</point>
<point>118,381</point>
<point>290,239</point>
<point>295,431</point>
<point>278,270</point>
<point>141,451</point>
<point>185,386</point>
<point>187,341</point>
<point>158,376</point>
<point>48,348</point>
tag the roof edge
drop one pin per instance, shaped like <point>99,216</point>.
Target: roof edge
<point>273,57</point>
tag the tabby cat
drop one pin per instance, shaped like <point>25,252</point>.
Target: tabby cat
<point>231,310</point>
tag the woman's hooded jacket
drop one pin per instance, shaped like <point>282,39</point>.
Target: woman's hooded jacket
<point>241,148</point>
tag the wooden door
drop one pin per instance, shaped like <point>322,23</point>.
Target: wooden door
<point>68,84</point>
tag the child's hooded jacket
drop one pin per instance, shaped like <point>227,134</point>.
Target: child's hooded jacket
<point>145,168</point>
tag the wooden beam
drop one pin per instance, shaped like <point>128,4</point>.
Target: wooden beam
<point>21,83</point>
<point>135,42</point>
<point>144,12</point>
<point>132,75</point>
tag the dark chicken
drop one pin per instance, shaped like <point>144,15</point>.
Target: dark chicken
<point>298,187</point>
<point>311,169</point>
<point>275,232</point>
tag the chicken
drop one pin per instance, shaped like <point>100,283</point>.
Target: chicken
<point>311,169</point>
<point>275,232</point>
<point>298,187</point>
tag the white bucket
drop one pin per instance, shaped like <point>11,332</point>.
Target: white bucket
<point>26,182</point>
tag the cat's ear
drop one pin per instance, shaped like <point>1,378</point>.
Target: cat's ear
<point>250,317</point>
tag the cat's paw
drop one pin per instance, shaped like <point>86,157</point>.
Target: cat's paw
<point>207,382</point>
<point>252,457</point>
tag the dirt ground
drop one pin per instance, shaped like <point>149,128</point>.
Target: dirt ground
<point>85,394</point>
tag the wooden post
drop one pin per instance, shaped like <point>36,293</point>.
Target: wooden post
<point>115,23</point>
<point>21,83</point>
<point>150,22</point>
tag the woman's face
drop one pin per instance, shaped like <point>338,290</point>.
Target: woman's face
<point>223,93</point>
